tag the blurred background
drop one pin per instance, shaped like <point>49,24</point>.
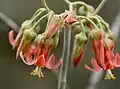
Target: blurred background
<point>14,74</point>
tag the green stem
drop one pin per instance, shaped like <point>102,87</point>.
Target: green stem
<point>45,4</point>
<point>39,21</point>
<point>63,57</point>
<point>40,9</point>
<point>83,17</point>
<point>68,1</point>
<point>97,19</point>
<point>51,13</point>
<point>67,57</point>
<point>100,6</point>
<point>103,22</point>
<point>37,15</point>
<point>64,68</point>
<point>82,26</point>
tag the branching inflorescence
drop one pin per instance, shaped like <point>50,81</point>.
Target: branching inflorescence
<point>34,47</point>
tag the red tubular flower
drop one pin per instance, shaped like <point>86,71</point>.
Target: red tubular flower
<point>104,57</point>
<point>97,62</point>
<point>78,48</point>
<point>39,59</point>
<point>41,62</point>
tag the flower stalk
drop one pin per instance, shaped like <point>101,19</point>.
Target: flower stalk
<point>100,6</point>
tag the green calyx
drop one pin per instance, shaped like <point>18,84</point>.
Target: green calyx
<point>110,35</point>
<point>56,39</point>
<point>97,33</point>
<point>48,42</point>
<point>81,37</point>
<point>28,24</point>
<point>76,28</point>
<point>38,38</point>
<point>29,35</point>
<point>109,43</point>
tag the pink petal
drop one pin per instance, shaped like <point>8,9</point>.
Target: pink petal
<point>51,61</point>
<point>28,55</point>
<point>29,60</point>
<point>57,65</point>
<point>17,39</point>
<point>70,20</point>
<point>88,68</point>
<point>117,60</point>
<point>95,65</point>
<point>11,38</point>
<point>52,28</point>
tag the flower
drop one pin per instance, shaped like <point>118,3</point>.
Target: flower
<point>78,48</point>
<point>104,57</point>
<point>24,38</point>
<point>42,62</point>
<point>39,58</point>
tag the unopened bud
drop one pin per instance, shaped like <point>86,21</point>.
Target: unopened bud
<point>27,24</point>
<point>110,35</point>
<point>82,38</point>
<point>97,34</point>
<point>56,39</point>
<point>49,42</point>
<point>29,35</point>
<point>39,38</point>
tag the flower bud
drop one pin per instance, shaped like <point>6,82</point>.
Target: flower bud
<point>76,28</point>
<point>48,43</point>
<point>27,24</point>
<point>82,10</point>
<point>39,38</point>
<point>29,35</point>
<point>109,44</point>
<point>82,38</point>
<point>110,35</point>
<point>97,34</point>
<point>56,39</point>
<point>78,48</point>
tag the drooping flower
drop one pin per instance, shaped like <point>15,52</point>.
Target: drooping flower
<point>49,64</point>
<point>78,48</point>
<point>24,38</point>
<point>54,24</point>
<point>59,21</point>
<point>37,55</point>
<point>104,57</point>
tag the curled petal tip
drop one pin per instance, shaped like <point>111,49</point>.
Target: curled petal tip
<point>95,65</point>
<point>51,61</point>
<point>21,55</point>
<point>88,68</point>
<point>11,38</point>
<point>116,62</point>
<point>57,65</point>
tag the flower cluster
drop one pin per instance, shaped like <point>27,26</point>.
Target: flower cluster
<point>34,47</point>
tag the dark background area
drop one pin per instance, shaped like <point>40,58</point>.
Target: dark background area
<point>14,74</point>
